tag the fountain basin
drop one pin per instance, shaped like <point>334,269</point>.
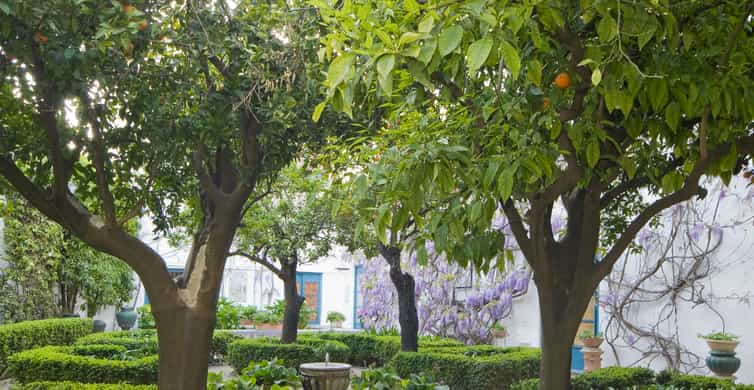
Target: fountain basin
<point>325,376</point>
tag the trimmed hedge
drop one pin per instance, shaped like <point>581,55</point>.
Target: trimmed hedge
<point>54,363</point>
<point>639,378</point>
<point>472,368</point>
<point>143,340</point>
<point>82,386</point>
<point>614,377</point>
<point>368,350</point>
<point>146,340</point>
<point>33,334</point>
<point>305,350</point>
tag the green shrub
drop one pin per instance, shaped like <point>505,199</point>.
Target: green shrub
<point>82,386</point>
<point>220,342</point>
<point>228,315</point>
<point>33,334</point>
<point>146,318</point>
<point>145,341</point>
<point>371,350</point>
<point>306,350</point>
<point>99,351</point>
<point>696,382</point>
<point>613,377</point>
<point>473,368</point>
<point>54,363</point>
<point>383,378</point>
<point>264,374</point>
<point>528,384</point>
<point>142,340</point>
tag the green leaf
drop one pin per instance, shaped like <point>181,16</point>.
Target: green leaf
<point>592,152</point>
<point>596,77</point>
<point>409,37</point>
<point>512,59</point>
<point>477,54</point>
<point>505,183</point>
<point>318,111</point>
<point>534,72</point>
<point>449,39</point>
<point>607,29</point>
<point>628,165</point>
<point>421,254</point>
<point>426,25</point>
<point>339,69</point>
<point>385,66</point>
<point>491,173</point>
<point>673,115</point>
<point>658,94</point>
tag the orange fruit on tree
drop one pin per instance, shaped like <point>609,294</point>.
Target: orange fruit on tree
<point>545,103</point>
<point>128,8</point>
<point>563,80</point>
<point>39,37</point>
<point>143,25</point>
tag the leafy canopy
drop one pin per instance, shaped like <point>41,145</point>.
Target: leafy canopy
<point>658,94</point>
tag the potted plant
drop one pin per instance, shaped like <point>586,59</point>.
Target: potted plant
<point>265,320</point>
<point>499,331</point>
<point>722,358</point>
<point>590,339</point>
<point>305,314</point>
<point>335,319</point>
<point>721,341</point>
<point>247,315</point>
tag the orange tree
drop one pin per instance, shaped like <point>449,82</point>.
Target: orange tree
<point>112,110</point>
<point>610,109</point>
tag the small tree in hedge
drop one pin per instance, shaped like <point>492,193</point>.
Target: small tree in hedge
<point>290,227</point>
<point>525,106</point>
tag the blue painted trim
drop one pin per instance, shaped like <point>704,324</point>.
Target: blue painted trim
<point>303,277</point>
<point>577,358</point>
<point>357,270</point>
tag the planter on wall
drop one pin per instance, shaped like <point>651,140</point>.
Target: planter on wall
<point>592,342</point>
<point>126,318</point>
<point>722,358</point>
<point>99,326</point>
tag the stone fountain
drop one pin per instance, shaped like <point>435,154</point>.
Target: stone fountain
<point>325,375</point>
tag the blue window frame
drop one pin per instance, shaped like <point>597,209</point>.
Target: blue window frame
<point>577,358</point>
<point>304,278</point>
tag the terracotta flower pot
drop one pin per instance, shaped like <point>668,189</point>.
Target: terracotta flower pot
<point>722,345</point>
<point>269,326</point>
<point>499,334</point>
<point>592,342</point>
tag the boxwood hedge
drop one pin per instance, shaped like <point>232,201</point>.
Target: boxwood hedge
<point>305,350</point>
<point>54,363</point>
<point>369,350</point>
<point>82,386</point>
<point>640,379</point>
<point>33,334</point>
<point>146,340</point>
<point>472,368</point>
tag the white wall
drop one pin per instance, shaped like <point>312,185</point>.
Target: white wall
<point>728,289</point>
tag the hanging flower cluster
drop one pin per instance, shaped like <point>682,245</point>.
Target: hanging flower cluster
<point>489,298</point>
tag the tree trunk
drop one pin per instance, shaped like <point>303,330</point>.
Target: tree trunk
<point>408,317</point>
<point>184,339</point>
<point>293,303</point>
<point>561,312</point>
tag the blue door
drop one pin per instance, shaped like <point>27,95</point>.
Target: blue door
<point>358,295</point>
<point>309,286</point>
<point>589,323</point>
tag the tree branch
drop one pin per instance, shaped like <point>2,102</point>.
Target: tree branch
<point>205,180</point>
<point>519,231</point>
<point>259,260</point>
<point>103,187</point>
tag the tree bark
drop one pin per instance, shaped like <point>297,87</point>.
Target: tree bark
<point>293,303</point>
<point>184,336</point>
<point>408,318</point>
